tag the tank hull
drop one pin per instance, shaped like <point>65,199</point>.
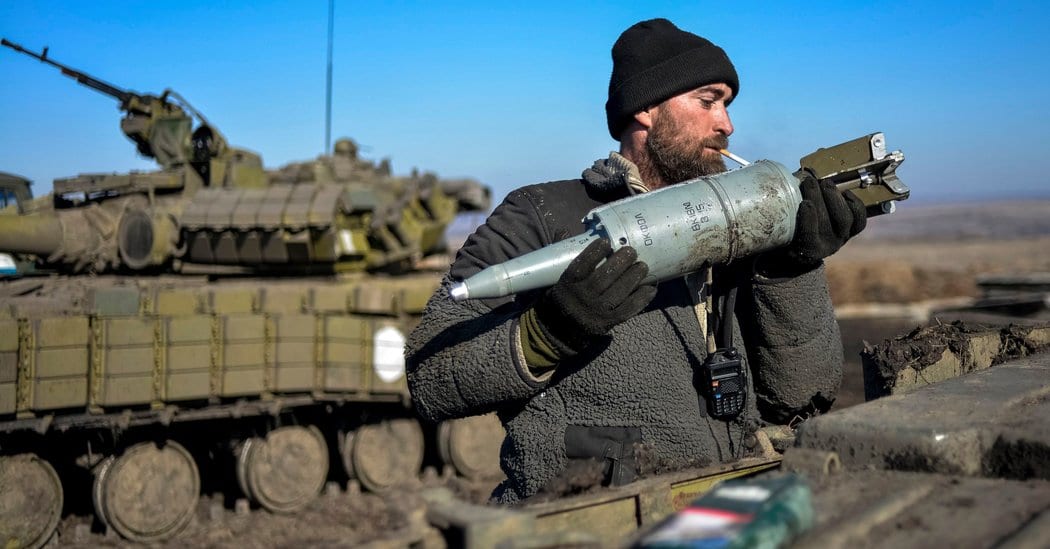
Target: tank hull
<point>283,384</point>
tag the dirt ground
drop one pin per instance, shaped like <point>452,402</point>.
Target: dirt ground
<point>343,516</point>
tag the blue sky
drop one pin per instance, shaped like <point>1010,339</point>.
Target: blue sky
<point>513,93</point>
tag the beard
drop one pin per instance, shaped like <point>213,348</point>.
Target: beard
<point>677,158</point>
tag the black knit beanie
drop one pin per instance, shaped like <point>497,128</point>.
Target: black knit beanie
<point>654,60</point>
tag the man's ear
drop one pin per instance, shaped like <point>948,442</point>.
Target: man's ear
<point>645,118</point>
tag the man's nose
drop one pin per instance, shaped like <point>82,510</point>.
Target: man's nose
<point>723,125</point>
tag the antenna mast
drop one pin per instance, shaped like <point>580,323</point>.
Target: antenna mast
<point>328,84</point>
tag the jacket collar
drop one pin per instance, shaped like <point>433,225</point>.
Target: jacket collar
<point>614,175</point>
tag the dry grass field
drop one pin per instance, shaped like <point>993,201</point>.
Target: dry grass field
<point>931,252</point>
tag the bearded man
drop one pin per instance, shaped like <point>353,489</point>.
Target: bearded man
<point>601,368</point>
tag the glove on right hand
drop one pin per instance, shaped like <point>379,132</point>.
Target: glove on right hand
<point>589,299</point>
<point>826,219</point>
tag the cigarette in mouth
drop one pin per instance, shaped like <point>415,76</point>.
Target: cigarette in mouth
<point>734,157</point>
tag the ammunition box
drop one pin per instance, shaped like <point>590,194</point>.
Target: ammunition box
<point>177,301</point>
<point>414,299</point>
<point>60,332</point>
<point>127,360</point>
<point>8,398</point>
<point>296,341</point>
<point>127,345</point>
<point>8,366</point>
<point>51,394</point>
<point>116,301</point>
<point>243,354</point>
<point>60,362</point>
<point>347,352</point>
<point>188,357</point>
<point>38,306</point>
<point>125,390</point>
<point>328,299</point>
<point>187,386</point>
<point>224,301</point>
<point>374,299</point>
<point>283,300</point>
<point>8,350</point>
<point>242,381</point>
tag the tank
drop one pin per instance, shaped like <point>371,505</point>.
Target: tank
<point>214,327</point>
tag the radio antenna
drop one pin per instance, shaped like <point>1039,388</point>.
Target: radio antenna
<point>328,84</point>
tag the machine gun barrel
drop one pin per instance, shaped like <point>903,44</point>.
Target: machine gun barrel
<point>714,219</point>
<point>90,81</point>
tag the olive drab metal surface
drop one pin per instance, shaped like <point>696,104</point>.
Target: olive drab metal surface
<point>210,315</point>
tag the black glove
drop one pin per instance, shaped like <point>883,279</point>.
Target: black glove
<point>586,302</point>
<point>826,219</point>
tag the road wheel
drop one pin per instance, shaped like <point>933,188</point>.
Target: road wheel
<point>30,500</point>
<point>471,445</point>
<point>382,455</point>
<point>284,471</point>
<point>149,492</point>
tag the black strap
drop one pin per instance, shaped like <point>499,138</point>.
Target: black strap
<point>725,332</point>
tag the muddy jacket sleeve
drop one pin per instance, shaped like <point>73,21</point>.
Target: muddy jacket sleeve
<point>793,343</point>
<point>465,357</point>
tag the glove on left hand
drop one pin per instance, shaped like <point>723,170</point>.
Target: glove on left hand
<point>598,290</point>
<point>826,219</point>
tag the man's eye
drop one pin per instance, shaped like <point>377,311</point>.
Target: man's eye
<point>707,103</point>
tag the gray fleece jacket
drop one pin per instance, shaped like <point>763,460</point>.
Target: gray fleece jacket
<point>638,385</point>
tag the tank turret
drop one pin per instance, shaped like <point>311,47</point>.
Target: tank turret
<point>212,204</point>
<point>112,222</point>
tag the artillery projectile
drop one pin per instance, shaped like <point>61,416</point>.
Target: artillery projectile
<point>713,219</point>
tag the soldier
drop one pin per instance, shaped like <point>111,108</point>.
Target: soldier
<point>602,368</point>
